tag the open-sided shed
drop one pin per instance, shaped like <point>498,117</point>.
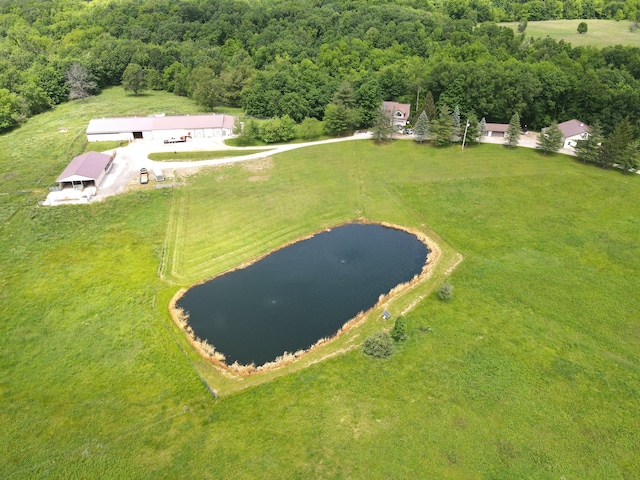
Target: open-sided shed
<point>86,170</point>
<point>160,127</point>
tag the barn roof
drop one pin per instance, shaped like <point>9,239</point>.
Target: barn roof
<point>497,127</point>
<point>146,124</point>
<point>572,127</point>
<point>89,165</point>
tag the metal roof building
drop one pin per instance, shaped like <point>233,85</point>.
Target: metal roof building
<point>85,170</point>
<point>160,127</point>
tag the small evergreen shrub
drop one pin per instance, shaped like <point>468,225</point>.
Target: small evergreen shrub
<point>445,292</point>
<point>378,345</point>
<point>399,330</point>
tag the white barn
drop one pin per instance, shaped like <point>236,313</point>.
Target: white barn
<point>160,127</point>
<point>572,131</point>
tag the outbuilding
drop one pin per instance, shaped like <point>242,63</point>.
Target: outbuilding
<point>160,127</point>
<point>497,129</point>
<point>88,169</point>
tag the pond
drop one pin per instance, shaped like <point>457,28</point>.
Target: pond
<point>302,293</point>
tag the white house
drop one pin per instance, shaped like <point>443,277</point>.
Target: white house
<point>399,112</point>
<point>160,127</point>
<point>572,131</point>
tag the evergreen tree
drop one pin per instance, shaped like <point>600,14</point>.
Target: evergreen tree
<point>335,119</point>
<point>383,127</point>
<point>550,139</point>
<point>345,95</point>
<point>513,132</point>
<point>589,150</point>
<point>421,128</point>
<point>399,330</point>
<point>619,147</point>
<point>482,129</point>
<point>445,127</point>
<point>456,121</point>
<point>429,106</point>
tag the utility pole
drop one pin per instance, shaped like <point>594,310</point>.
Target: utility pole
<point>464,138</point>
<point>418,100</point>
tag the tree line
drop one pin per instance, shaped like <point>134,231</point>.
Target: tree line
<point>277,58</point>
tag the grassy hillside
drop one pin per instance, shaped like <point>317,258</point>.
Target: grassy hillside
<point>531,371</point>
<point>600,34</point>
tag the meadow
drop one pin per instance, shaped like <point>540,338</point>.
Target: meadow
<point>600,33</point>
<point>531,371</point>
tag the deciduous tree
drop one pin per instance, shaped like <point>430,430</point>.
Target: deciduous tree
<point>206,87</point>
<point>79,82</point>
<point>133,79</point>
<point>310,128</point>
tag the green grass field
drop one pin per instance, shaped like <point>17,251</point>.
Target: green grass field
<point>600,33</point>
<point>532,371</point>
<point>205,155</point>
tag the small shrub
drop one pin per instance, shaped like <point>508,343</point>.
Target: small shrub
<point>399,330</point>
<point>445,292</point>
<point>378,345</point>
<point>582,27</point>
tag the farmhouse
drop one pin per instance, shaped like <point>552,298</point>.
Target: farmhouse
<point>160,127</point>
<point>399,112</point>
<point>572,131</point>
<point>86,170</point>
<point>497,129</point>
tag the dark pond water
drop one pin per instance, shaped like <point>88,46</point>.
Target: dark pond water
<point>293,297</point>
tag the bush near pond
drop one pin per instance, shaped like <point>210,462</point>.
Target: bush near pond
<point>445,292</point>
<point>379,345</point>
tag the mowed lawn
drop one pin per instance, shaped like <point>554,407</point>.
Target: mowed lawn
<point>532,371</point>
<point>600,33</point>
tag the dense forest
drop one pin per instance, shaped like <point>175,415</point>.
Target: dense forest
<point>284,57</point>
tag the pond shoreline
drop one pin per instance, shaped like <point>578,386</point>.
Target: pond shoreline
<point>208,351</point>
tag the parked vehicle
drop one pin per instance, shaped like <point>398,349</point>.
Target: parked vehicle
<point>144,176</point>
<point>158,174</point>
<point>181,139</point>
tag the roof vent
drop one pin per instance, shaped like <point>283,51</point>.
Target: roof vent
<point>582,124</point>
